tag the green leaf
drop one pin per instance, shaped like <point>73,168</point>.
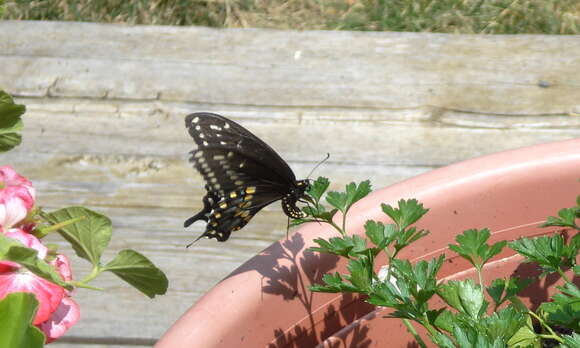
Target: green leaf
<point>419,281</point>
<point>409,212</point>
<point>317,213</point>
<point>548,251</point>
<point>565,307</point>
<point>13,250</point>
<point>379,234</point>
<point>344,200</point>
<point>525,337</point>
<point>10,122</point>
<point>503,323</point>
<point>445,321</point>
<point>360,274</point>
<point>408,236</point>
<point>472,245</point>
<point>318,187</point>
<point>342,246</point>
<point>442,340</point>
<point>336,245</point>
<point>16,329</point>
<point>387,294</point>
<point>468,337</point>
<point>465,296</point>
<point>510,286</point>
<point>89,237</point>
<point>137,270</point>
<point>333,283</point>
<point>566,218</point>
<point>571,341</point>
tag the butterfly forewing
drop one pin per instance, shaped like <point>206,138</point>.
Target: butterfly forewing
<point>242,174</point>
<point>215,132</point>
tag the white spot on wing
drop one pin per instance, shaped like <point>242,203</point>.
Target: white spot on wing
<point>195,120</point>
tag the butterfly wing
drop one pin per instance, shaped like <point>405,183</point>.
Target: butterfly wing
<point>242,173</point>
<point>218,136</point>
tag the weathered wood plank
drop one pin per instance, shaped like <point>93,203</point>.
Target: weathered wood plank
<point>521,74</point>
<point>442,138</point>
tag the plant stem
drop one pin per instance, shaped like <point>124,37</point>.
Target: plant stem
<point>414,332</point>
<point>480,276</point>
<point>85,286</point>
<point>563,275</point>
<point>94,273</point>
<point>552,335</point>
<point>39,233</point>
<point>342,233</point>
<point>344,222</point>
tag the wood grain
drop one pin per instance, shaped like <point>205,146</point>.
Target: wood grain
<point>104,129</point>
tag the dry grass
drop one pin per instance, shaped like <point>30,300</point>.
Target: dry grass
<point>447,16</point>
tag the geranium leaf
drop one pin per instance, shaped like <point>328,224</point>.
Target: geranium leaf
<point>10,122</point>
<point>89,236</point>
<point>16,329</point>
<point>137,270</point>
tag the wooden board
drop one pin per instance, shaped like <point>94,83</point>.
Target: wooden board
<point>105,129</point>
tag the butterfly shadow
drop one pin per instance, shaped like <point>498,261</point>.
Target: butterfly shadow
<point>288,271</point>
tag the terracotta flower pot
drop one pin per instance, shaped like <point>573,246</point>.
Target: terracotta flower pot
<point>266,303</point>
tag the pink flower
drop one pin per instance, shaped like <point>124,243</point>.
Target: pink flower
<point>65,316</point>
<point>57,312</point>
<point>14,278</point>
<point>67,313</point>
<point>16,197</point>
<point>9,177</point>
<point>62,266</point>
<point>26,239</point>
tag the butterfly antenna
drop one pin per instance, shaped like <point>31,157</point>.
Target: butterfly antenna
<point>318,165</point>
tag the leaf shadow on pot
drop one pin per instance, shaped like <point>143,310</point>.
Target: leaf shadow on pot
<point>288,270</point>
<point>542,289</point>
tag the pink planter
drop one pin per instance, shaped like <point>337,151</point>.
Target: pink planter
<point>265,302</point>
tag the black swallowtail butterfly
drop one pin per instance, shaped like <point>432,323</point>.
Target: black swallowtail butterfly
<point>242,175</point>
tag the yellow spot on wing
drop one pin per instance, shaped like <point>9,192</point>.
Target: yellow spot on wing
<point>250,190</point>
